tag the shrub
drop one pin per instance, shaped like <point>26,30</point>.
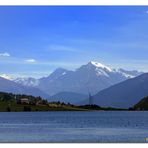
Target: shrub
<point>27,108</point>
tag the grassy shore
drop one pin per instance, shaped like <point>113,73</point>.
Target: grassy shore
<point>19,102</point>
<point>14,107</point>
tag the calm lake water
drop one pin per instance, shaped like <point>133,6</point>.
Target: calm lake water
<point>95,126</point>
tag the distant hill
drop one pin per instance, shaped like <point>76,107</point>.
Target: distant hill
<point>68,97</point>
<point>12,87</point>
<point>124,94</point>
<point>142,104</point>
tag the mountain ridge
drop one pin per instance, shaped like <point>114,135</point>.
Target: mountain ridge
<point>124,94</point>
<point>89,78</point>
<point>13,87</point>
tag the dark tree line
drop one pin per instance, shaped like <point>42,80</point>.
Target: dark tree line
<point>10,97</point>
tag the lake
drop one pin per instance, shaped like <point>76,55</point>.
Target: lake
<point>69,126</point>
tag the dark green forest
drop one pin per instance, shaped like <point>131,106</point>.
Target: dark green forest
<point>142,104</point>
<point>10,102</point>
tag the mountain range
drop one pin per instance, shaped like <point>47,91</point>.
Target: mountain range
<point>13,87</point>
<point>124,94</point>
<point>72,86</point>
<point>89,78</point>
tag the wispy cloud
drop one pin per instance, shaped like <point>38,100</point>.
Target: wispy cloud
<point>5,54</point>
<point>146,11</point>
<point>30,60</point>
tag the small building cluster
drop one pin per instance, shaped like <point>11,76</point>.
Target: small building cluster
<point>32,102</point>
<point>24,101</point>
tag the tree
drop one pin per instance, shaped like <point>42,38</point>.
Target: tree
<point>44,102</point>
<point>27,108</point>
<point>8,109</point>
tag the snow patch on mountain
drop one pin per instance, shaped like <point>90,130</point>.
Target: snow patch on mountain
<point>63,73</point>
<point>99,65</point>
<point>8,77</point>
<point>32,82</point>
<point>127,75</point>
<point>100,72</point>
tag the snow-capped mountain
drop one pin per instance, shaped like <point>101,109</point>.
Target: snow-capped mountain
<point>130,74</point>
<point>12,87</point>
<point>35,82</point>
<point>105,70</point>
<point>89,78</point>
<point>32,82</point>
<point>55,75</point>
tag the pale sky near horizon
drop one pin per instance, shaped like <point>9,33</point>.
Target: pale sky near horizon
<point>36,40</point>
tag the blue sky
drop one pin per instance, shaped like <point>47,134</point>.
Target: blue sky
<point>36,40</point>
